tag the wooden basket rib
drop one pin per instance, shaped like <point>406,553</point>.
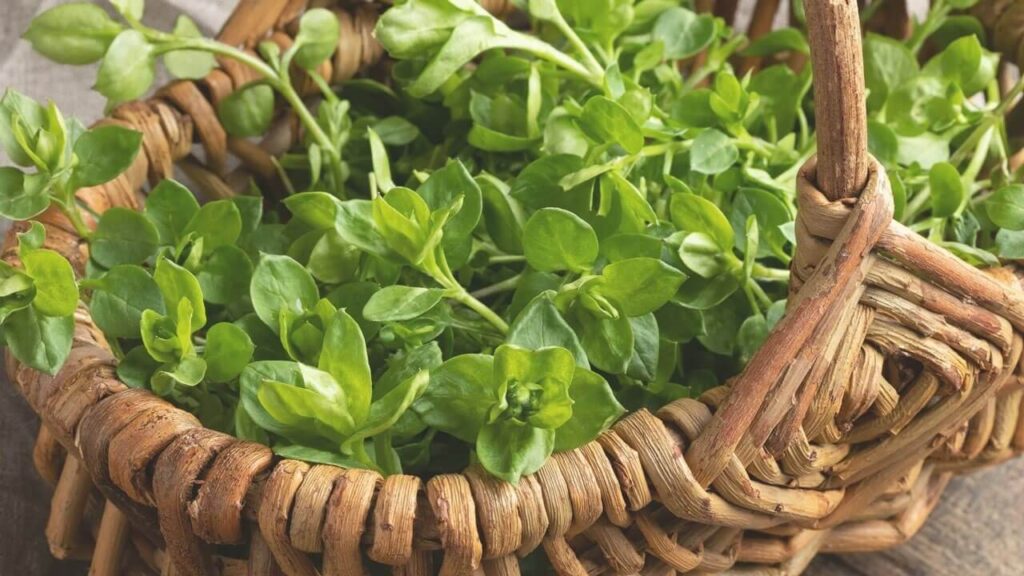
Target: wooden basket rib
<point>821,444</point>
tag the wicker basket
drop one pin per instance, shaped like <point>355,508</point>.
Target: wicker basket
<point>823,444</point>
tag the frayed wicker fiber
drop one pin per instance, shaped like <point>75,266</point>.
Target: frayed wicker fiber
<point>896,366</point>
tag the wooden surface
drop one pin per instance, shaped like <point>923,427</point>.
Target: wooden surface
<point>978,529</point>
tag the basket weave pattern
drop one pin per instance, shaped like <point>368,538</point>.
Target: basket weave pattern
<point>896,366</point>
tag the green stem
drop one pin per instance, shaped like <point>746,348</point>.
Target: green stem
<point>277,82</point>
<point>497,288</point>
<point>1004,107</point>
<point>545,51</point>
<point>588,57</point>
<point>75,217</point>
<point>766,274</point>
<point>507,259</point>
<point>459,294</point>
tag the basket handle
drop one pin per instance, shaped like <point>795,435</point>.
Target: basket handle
<point>839,99</point>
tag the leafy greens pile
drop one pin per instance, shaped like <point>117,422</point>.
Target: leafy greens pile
<point>492,256</point>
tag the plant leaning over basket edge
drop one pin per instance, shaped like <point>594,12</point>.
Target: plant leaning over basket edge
<point>511,250</point>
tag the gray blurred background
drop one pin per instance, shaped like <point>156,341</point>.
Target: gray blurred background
<point>978,529</point>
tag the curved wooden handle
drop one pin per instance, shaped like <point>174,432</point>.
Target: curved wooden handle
<point>839,99</point>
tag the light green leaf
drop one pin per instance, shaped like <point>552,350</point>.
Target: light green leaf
<point>177,283</point>
<point>56,291</point>
<point>128,69</point>
<point>344,358</point>
<point>189,64</point>
<point>713,153</point>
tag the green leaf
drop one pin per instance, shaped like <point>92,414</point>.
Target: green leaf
<point>123,236</point>
<point>170,207</point>
<point>130,9</point>
<point>137,367</point>
<point>510,450</point>
<point>389,408</point>
<point>947,190</point>
<point>1010,244</point>
<point>397,303</point>
<point>640,285</point>
<point>502,218</point>
<point>218,223</point>
<point>704,294</point>
<point>605,120</point>
<point>888,63</point>
<point>396,131</point>
<point>189,372</point>
<point>317,38</point>
<point>103,153</point>
<point>128,68</point>
<point>700,253</point>
<point>312,431</point>
<point>344,358</point>
<point>228,351</point>
<point>56,291</point>
<point>177,283</point>
<point>248,111</point>
<point>540,325</point>
<point>713,153</point>
<point>188,64</point>
<point>76,33</point>
<point>301,412</point>
<point>608,341</point>
<point>556,239</point>
<point>780,40</point>
<point>120,296</point>
<point>18,109</point>
<point>683,32</point>
<point>21,197</point>
<point>40,342</point>
<point>691,213</point>
<point>536,384</point>
<point>279,282</point>
<point>460,396</point>
<point>751,335</point>
<point>594,409</point>
<point>446,186</point>
<point>225,275</point>
<point>1005,207</point>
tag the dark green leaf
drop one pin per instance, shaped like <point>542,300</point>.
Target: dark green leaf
<point>120,296</point>
<point>123,236</point>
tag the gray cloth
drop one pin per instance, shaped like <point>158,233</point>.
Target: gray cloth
<point>976,530</point>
